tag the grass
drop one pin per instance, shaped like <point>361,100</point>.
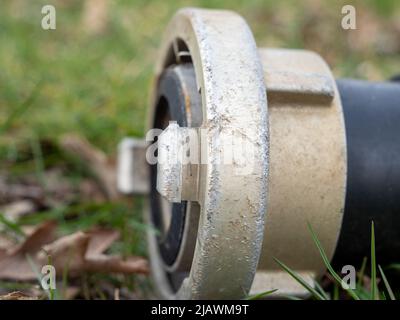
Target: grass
<point>328,264</point>
<point>373,264</point>
<point>300,280</point>
<point>66,80</point>
<point>386,283</point>
<point>357,294</point>
<point>51,284</point>
<point>98,85</point>
<point>12,226</point>
<point>261,295</point>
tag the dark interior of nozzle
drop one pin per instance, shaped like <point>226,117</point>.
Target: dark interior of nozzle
<point>372,121</point>
<point>170,106</point>
<point>177,100</point>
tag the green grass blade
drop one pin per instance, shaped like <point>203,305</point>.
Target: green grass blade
<point>35,270</point>
<point>395,266</point>
<point>38,160</point>
<point>328,264</point>
<point>363,294</point>
<point>321,290</point>
<point>51,290</point>
<point>11,225</point>
<point>260,295</point>
<point>387,285</point>
<point>336,292</point>
<point>19,110</point>
<point>362,272</point>
<point>292,297</point>
<point>300,280</point>
<point>373,264</point>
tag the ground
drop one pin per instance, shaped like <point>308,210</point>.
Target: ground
<point>91,77</point>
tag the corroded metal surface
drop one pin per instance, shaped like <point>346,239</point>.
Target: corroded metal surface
<point>178,163</point>
<point>307,161</point>
<point>232,205</point>
<point>169,172</point>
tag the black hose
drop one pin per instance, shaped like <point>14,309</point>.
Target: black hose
<point>372,120</point>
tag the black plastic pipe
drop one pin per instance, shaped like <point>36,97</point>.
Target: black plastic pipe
<point>372,121</point>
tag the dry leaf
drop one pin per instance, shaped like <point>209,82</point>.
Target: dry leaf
<point>13,262</point>
<point>3,252</point>
<point>116,294</point>
<point>84,252</point>
<point>5,242</point>
<point>16,295</point>
<point>17,209</point>
<point>76,253</point>
<point>14,192</point>
<point>89,189</point>
<point>100,241</point>
<point>27,194</point>
<point>96,161</point>
<point>71,293</point>
<point>41,235</point>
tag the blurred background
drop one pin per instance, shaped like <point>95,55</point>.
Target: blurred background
<point>67,96</point>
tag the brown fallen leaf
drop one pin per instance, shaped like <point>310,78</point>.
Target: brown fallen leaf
<point>27,193</point>
<point>13,262</point>
<point>40,236</point>
<point>84,252</point>
<point>14,192</point>
<point>76,253</point>
<point>100,241</point>
<point>5,242</point>
<point>13,211</point>
<point>3,253</point>
<point>89,189</point>
<point>17,295</point>
<point>95,160</point>
<point>71,293</point>
<point>116,294</point>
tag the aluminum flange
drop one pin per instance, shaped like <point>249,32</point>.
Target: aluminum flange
<point>258,171</point>
<point>229,78</point>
